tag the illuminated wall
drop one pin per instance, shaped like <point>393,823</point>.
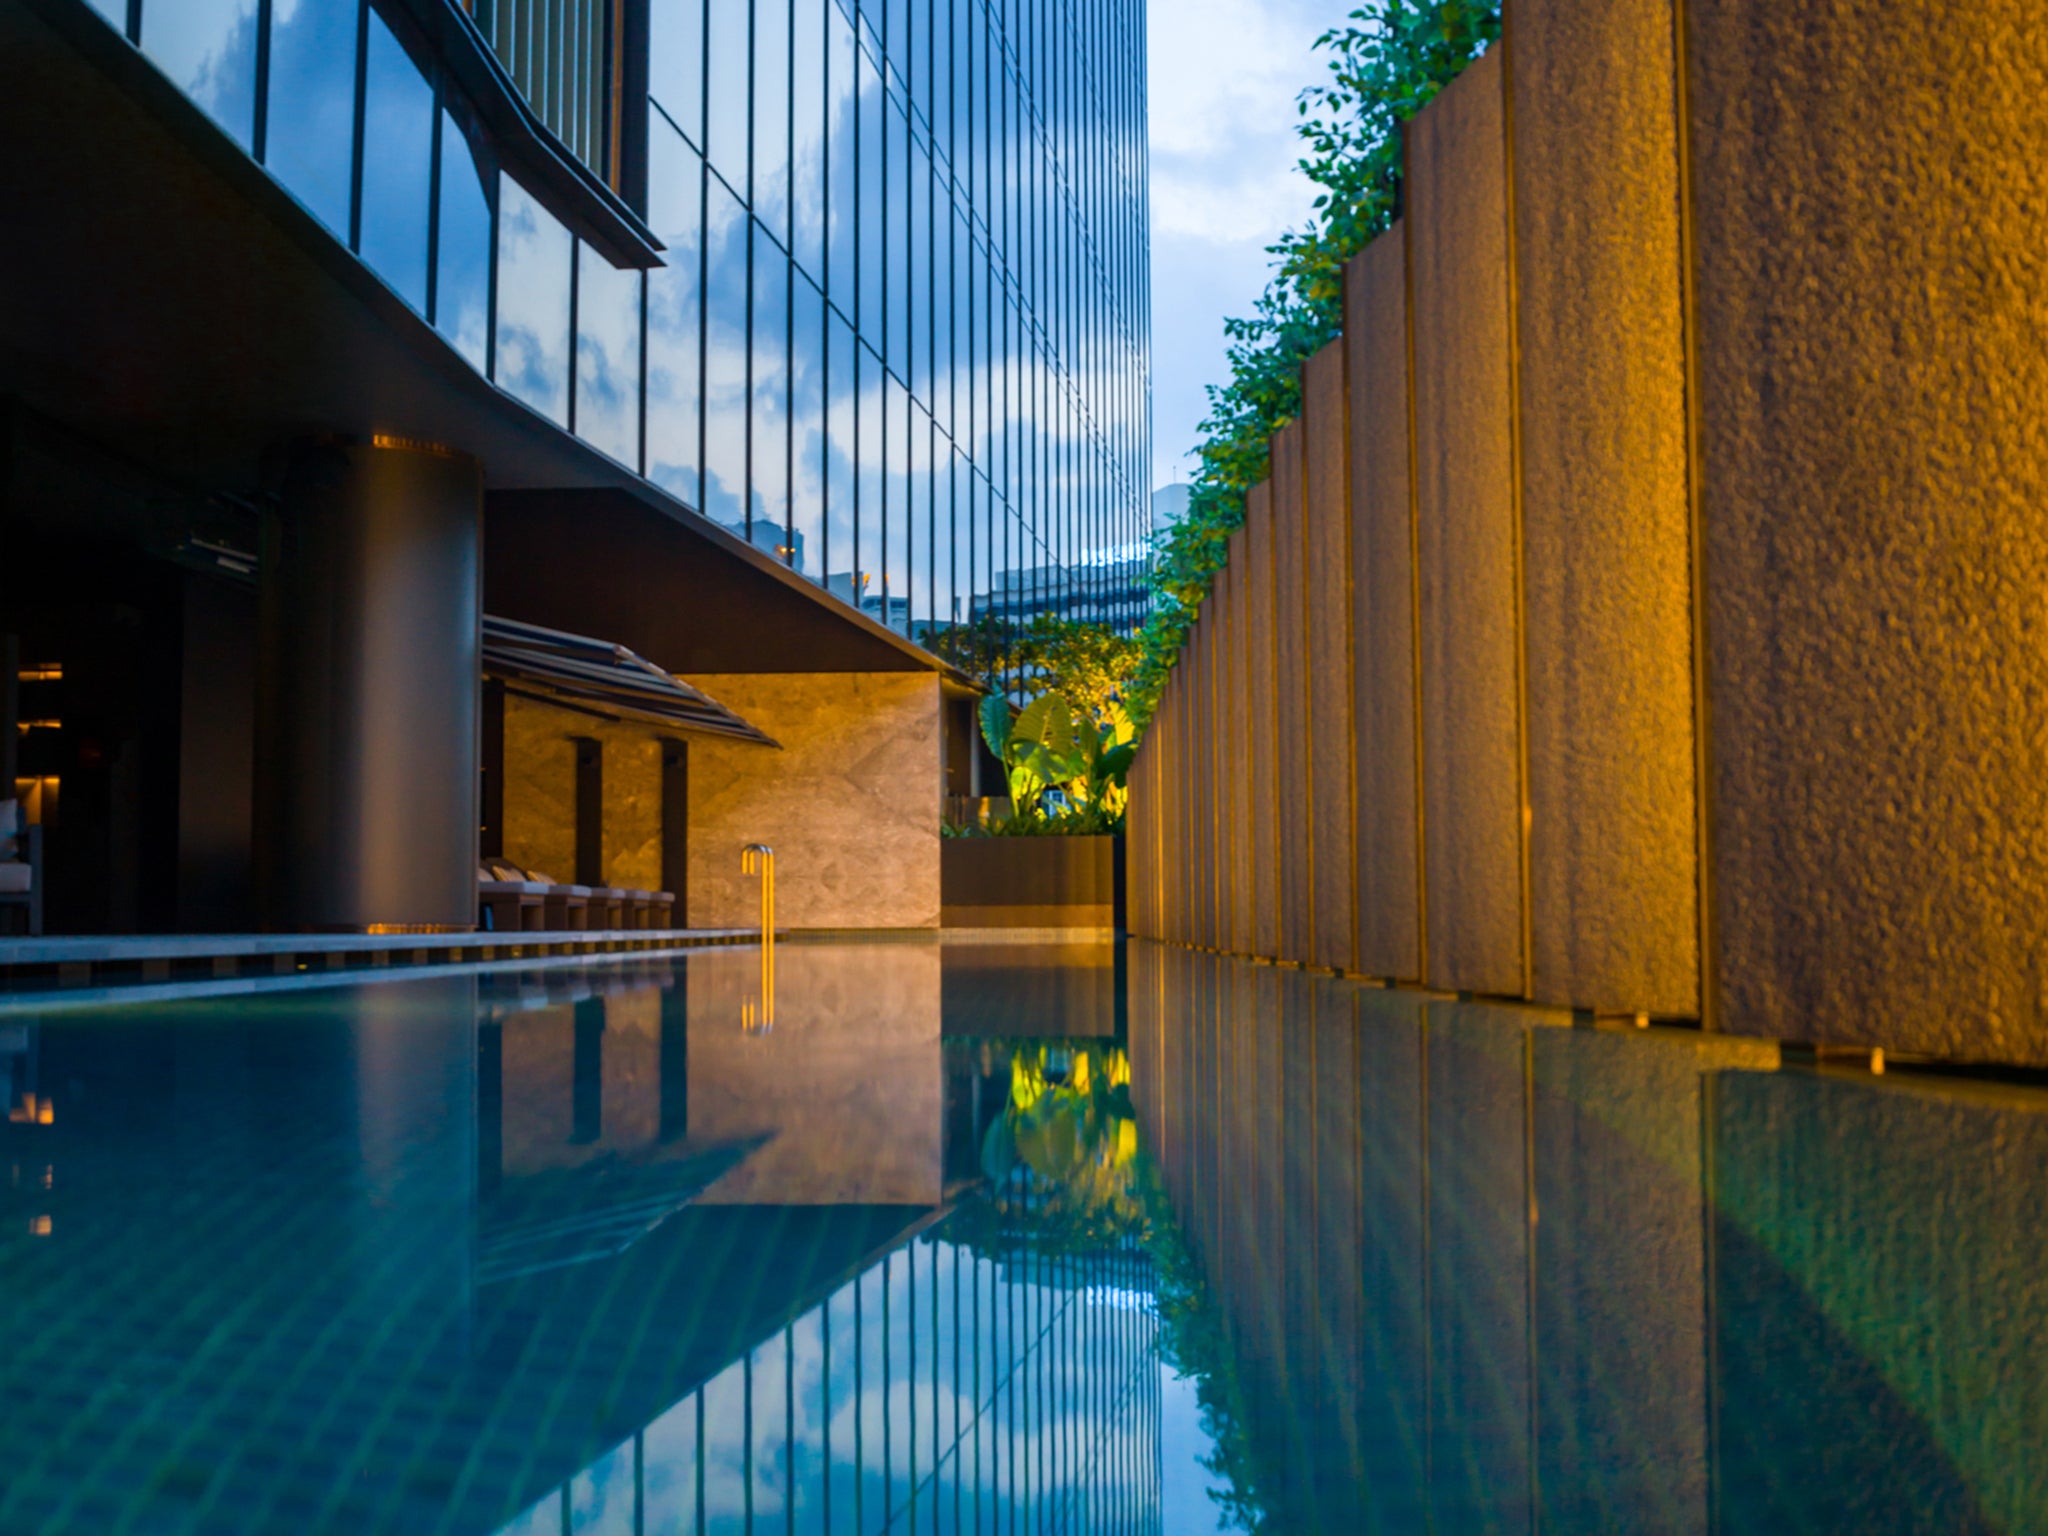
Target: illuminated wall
<point>1692,510</point>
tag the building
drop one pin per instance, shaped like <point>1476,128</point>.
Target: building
<point>644,323</point>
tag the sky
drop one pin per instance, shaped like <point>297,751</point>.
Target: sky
<point>1224,75</point>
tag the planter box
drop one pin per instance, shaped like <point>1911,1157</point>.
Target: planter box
<point>1031,882</point>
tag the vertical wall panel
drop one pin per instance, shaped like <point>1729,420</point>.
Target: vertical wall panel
<point>1237,740</point>
<point>1262,706</point>
<point>1326,434</point>
<point>1606,524</point>
<point>1204,846</point>
<point>1389,829</point>
<point>1291,668</point>
<point>1466,536</point>
<point>1222,599</point>
<point>1868,267</point>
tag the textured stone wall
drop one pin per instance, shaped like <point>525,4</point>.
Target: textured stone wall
<point>1873,468</point>
<point>1466,537</point>
<point>1327,609</point>
<point>1606,519</point>
<point>850,804</point>
<point>1237,740</point>
<point>1293,721</point>
<point>1695,547</point>
<point>1261,702</point>
<point>1384,672</point>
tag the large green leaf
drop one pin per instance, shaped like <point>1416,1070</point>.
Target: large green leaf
<point>1047,721</point>
<point>995,725</point>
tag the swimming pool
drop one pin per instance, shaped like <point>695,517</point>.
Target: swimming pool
<point>978,1237</point>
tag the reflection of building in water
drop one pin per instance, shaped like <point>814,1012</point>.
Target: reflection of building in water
<point>938,1389</point>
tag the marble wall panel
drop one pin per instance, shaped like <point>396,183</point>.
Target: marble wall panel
<point>1389,798</point>
<point>540,793</point>
<point>1326,433</point>
<point>1466,535</point>
<point>1294,725</point>
<point>850,803</point>
<point>1606,515</point>
<point>1872,470</point>
<point>1262,705</point>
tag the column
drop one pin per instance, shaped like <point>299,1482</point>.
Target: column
<point>368,681</point>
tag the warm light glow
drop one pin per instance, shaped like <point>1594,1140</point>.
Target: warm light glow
<point>410,444</point>
<point>39,1226</point>
<point>33,1110</point>
<point>42,672</point>
<point>25,726</point>
<point>30,793</point>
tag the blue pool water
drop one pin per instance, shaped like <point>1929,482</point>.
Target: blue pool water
<point>1002,1238</point>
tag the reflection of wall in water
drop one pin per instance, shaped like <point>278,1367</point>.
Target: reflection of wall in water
<point>1852,1340</point>
<point>847,1088</point>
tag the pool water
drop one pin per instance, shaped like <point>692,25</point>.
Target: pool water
<point>977,1237</point>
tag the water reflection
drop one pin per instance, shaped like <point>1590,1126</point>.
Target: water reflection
<point>567,1249</point>
<point>1475,1269</point>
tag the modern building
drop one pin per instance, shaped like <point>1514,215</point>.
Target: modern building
<point>751,339</point>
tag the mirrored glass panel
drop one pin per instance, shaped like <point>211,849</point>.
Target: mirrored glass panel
<point>208,48</point>
<point>772,60</point>
<point>726,290</point>
<point>727,83</point>
<point>535,254</point>
<point>310,134</point>
<point>896,237</point>
<point>462,278</point>
<point>842,455</point>
<point>808,102</point>
<point>842,191</point>
<point>398,164</point>
<point>675,65</point>
<point>807,427</point>
<point>675,338</point>
<point>768,510</point>
<point>869,513</point>
<point>608,357</point>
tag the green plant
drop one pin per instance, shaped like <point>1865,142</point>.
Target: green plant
<point>1050,748</point>
<point>1387,61</point>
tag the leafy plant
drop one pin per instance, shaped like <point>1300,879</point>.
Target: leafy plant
<point>1387,61</point>
<point>1066,772</point>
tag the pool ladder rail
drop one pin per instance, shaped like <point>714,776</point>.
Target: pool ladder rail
<point>757,1014</point>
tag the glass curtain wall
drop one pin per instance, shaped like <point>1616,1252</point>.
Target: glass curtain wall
<point>901,337</point>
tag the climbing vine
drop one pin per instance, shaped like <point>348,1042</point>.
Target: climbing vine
<point>1386,61</point>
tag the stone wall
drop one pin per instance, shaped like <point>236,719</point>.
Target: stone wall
<point>1693,505</point>
<point>850,804</point>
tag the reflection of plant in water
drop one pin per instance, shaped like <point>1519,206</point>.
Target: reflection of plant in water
<point>1062,1154</point>
<point>1066,1176</point>
<point>1195,1343</point>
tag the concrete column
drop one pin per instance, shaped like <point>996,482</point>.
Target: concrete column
<point>1606,521</point>
<point>1262,704</point>
<point>367,698</point>
<point>1291,669</point>
<point>1867,279</point>
<point>1326,441</point>
<point>1467,540</point>
<point>1384,677</point>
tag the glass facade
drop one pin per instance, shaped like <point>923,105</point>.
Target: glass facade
<point>901,335</point>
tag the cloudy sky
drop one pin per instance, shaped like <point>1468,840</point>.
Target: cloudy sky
<point>1224,77</point>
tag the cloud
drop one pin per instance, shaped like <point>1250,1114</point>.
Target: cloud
<point>1224,77</point>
